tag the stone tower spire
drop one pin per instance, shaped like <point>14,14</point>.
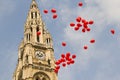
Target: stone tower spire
<point>35,53</point>
<point>35,24</point>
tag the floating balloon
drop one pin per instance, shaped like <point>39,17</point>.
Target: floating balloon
<point>53,10</point>
<point>60,61</point>
<point>63,64</point>
<point>88,29</point>
<point>91,22</point>
<point>38,33</point>
<point>112,31</point>
<point>78,19</point>
<point>76,28</point>
<point>56,71</point>
<point>67,54</point>
<point>83,20</point>
<point>68,59</point>
<point>79,25</point>
<point>74,56</point>
<point>92,41</point>
<point>57,63</point>
<point>80,4</point>
<point>64,44</point>
<point>45,11</point>
<point>63,55</point>
<point>85,47</point>
<point>72,62</point>
<point>57,67</point>
<point>83,30</point>
<point>54,16</point>
<point>63,60</point>
<point>85,26</point>
<point>72,24</point>
<point>68,63</point>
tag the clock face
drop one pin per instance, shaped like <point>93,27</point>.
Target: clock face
<point>41,76</point>
<point>40,55</point>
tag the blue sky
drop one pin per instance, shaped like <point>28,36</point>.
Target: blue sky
<point>99,62</point>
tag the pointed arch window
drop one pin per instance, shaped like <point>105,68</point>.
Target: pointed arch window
<point>32,15</point>
<point>38,39</point>
<point>31,29</point>
<point>28,37</point>
<point>35,14</point>
<point>26,58</point>
<point>48,40</point>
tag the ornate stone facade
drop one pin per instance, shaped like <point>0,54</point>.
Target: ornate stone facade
<point>35,54</point>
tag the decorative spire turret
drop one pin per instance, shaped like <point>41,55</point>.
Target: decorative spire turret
<point>35,24</point>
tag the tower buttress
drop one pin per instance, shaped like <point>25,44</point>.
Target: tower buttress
<point>35,53</point>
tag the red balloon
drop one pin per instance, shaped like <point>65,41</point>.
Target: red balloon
<point>86,22</point>
<point>83,20</point>
<point>80,4</point>
<point>79,25</point>
<point>83,30</point>
<point>63,55</point>
<point>60,61</point>
<point>85,26</point>
<point>88,29</point>
<point>63,64</point>
<point>53,10</point>
<point>54,16</point>
<point>72,24</point>
<point>38,33</point>
<point>72,62</point>
<point>57,63</point>
<point>45,11</point>
<point>68,59</point>
<point>64,44</point>
<point>74,56</point>
<point>56,71</point>
<point>76,28</point>
<point>112,31</point>
<point>85,47</point>
<point>57,67</point>
<point>78,19</point>
<point>63,60</point>
<point>92,41</point>
<point>67,54</point>
<point>91,22</point>
<point>68,63</point>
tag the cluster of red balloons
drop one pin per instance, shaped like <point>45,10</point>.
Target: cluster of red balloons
<point>53,10</point>
<point>81,23</point>
<point>66,59</point>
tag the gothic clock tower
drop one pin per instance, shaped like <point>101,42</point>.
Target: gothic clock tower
<point>35,54</point>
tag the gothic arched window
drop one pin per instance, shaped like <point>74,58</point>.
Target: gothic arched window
<point>38,39</point>
<point>28,37</point>
<point>26,58</point>
<point>48,40</point>
<point>32,15</point>
<point>35,14</point>
<point>31,29</point>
